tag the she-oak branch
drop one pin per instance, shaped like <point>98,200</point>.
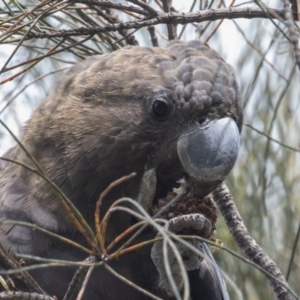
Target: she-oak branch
<point>167,18</point>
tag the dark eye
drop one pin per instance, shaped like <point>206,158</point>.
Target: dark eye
<point>201,120</point>
<point>160,108</point>
<point>160,105</point>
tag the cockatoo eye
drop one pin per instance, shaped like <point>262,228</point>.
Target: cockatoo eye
<point>160,108</point>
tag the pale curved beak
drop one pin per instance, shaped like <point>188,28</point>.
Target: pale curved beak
<point>208,153</point>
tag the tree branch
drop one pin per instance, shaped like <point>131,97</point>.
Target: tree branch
<point>168,18</point>
<point>225,203</point>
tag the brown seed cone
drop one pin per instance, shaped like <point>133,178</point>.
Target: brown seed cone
<point>188,205</point>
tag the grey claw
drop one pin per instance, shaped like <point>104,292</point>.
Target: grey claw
<point>191,260</point>
<point>194,221</point>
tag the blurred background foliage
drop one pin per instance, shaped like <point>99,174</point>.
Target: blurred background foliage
<point>265,182</point>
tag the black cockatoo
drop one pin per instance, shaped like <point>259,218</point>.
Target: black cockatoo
<point>174,110</point>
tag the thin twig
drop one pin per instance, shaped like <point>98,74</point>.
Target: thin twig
<point>185,25</point>
<point>8,102</point>
<point>218,25</point>
<point>130,283</point>
<point>124,234</point>
<point>24,296</point>
<point>288,273</point>
<point>263,55</point>
<point>267,149</point>
<point>50,233</point>
<point>145,6</point>
<point>114,19</point>
<point>76,279</point>
<point>294,37</point>
<point>10,262</point>
<point>272,139</point>
<point>117,6</point>
<point>42,4</point>
<point>153,36</point>
<point>101,239</point>
<point>86,279</point>
<point>167,4</point>
<point>25,35</point>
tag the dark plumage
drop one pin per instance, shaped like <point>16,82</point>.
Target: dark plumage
<point>97,125</point>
